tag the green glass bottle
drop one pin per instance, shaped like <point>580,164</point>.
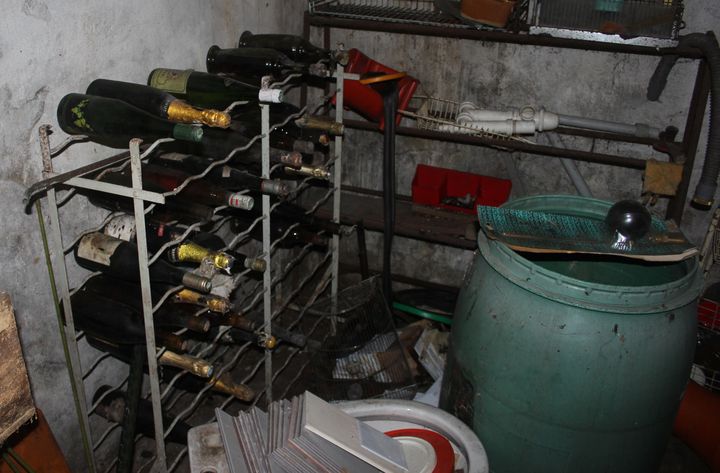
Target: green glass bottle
<point>258,62</point>
<point>296,48</point>
<point>202,89</point>
<point>114,123</point>
<point>157,102</point>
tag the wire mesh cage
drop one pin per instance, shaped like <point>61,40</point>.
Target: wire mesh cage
<point>422,12</point>
<point>649,18</point>
<point>360,355</point>
<point>706,369</point>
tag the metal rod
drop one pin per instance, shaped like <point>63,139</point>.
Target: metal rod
<point>141,238</point>
<point>266,244</point>
<point>126,450</point>
<point>691,137</point>
<point>337,183</point>
<point>498,37</point>
<point>577,155</point>
<point>78,399</point>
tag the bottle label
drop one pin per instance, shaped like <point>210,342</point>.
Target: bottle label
<point>122,227</point>
<point>240,201</point>
<point>98,247</point>
<point>170,80</point>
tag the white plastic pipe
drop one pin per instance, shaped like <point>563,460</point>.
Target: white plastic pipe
<point>570,168</point>
<point>505,127</point>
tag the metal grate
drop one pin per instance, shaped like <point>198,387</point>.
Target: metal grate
<point>419,12</point>
<point>704,370</point>
<point>627,18</point>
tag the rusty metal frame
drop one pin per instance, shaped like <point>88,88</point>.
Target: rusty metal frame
<point>693,125</point>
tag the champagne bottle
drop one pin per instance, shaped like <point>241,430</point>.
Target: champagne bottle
<point>114,123</point>
<point>118,323</point>
<point>258,62</point>
<point>157,102</point>
<point>179,311</point>
<point>297,236</point>
<point>170,359</point>
<point>197,247</point>
<point>202,89</point>
<point>97,251</point>
<point>173,210</point>
<point>227,176</point>
<point>223,384</point>
<point>112,408</point>
<point>296,48</point>
<point>243,323</point>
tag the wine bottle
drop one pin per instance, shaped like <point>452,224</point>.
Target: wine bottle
<point>196,191</point>
<point>179,311</point>
<point>204,90</point>
<point>173,210</point>
<point>296,236</point>
<point>243,323</point>
<point>197,247</point>
<point>227,176</point>
<point>114,123</point>
<point>168,358</point>
<point>118,323</point>
<point>157,102</point>
<point>289,136</point>
<point>258,62</point>
<point>296,48</point>
<point>223,384</point>
<point>239,337</point>
<point>298,214</point>
<point>97,251</point>
<point>112,408</point>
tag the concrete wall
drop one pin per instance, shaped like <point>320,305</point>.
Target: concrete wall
<point>48,49</point>
<point>592,84</point>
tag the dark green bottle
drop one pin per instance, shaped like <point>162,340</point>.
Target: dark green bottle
<point>114,123</point>
<point>257,62</point>
<point>202,89</point>
<point>296,48</point>
<point>157,102</point>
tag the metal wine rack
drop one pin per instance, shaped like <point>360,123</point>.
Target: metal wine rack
<point>297,273</point>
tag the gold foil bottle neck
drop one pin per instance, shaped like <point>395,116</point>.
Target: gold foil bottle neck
<point>194,365</point>
<point>214,303</point>
<point>226,385</point>
<point>179,111</point>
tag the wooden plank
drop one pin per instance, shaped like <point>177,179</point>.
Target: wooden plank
<point>412,221</point>
<point>16,403</point>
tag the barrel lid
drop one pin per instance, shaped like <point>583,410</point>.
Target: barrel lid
<point>577,292</point>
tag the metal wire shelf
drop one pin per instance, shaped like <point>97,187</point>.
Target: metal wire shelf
<point>418,12</point>
<point>224,357</point>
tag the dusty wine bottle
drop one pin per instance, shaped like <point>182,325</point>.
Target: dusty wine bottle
<point>258,62</point>
<point>284,233</point>
<point>115,322</point>
<point>223,384</point>
<point>129,293</point>
<point>157,102</point>
<point>296,48</point>
<point>228,176</point>
<point>99,252</point>
<point>168,358</point>
<point>240,322</point>
<point>205,90</point>
<point>112,405</point>
<point>197,247</point>
<point>114,123</point>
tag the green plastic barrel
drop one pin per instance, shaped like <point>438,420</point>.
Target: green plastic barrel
<point>568,363</point>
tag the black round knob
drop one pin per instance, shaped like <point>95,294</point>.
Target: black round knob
<point>629,218</point>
